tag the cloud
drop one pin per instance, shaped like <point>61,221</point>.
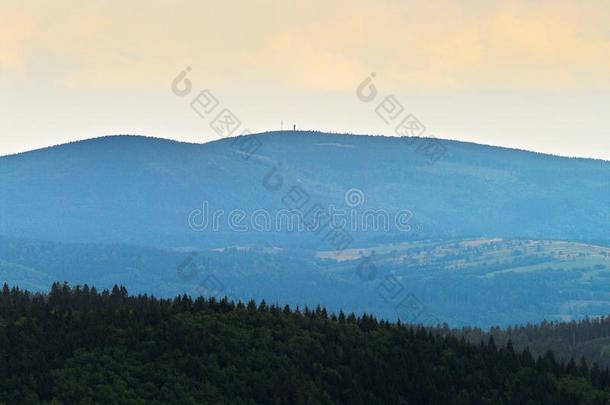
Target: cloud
<point>314,45</point>
<point>16,30</point>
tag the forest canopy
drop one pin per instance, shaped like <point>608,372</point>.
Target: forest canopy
<point>79,345</point>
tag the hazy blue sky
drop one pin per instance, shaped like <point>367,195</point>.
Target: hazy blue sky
<point>526,74</point>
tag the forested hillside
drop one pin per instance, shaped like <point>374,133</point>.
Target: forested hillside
<point>516,281</point>
<point>137,190</point>
<point>78,345</point>
<point>588,338</point>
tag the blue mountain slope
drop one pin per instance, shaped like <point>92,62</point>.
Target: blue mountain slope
<point>130,189</point>
<point>477,282</point>
<point>491,227</point>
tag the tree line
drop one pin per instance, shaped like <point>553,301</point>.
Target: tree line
<point>76,344</point>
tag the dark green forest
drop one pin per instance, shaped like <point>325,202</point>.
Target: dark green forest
<point>588,338</point>
<point>79,345</point>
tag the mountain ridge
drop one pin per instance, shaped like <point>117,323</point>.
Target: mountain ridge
<point>133,191</point>
<point>300,132</point>
<point>140,190</point>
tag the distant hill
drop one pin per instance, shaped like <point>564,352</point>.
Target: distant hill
<point>137,190</point>
<point>525,236</point>
<point>472,282</point>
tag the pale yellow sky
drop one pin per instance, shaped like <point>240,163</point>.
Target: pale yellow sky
<point>527,74</point>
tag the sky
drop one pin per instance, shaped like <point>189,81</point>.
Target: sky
<point>525,74</point>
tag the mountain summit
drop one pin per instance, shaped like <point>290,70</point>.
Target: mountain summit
<point>132,189</point>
